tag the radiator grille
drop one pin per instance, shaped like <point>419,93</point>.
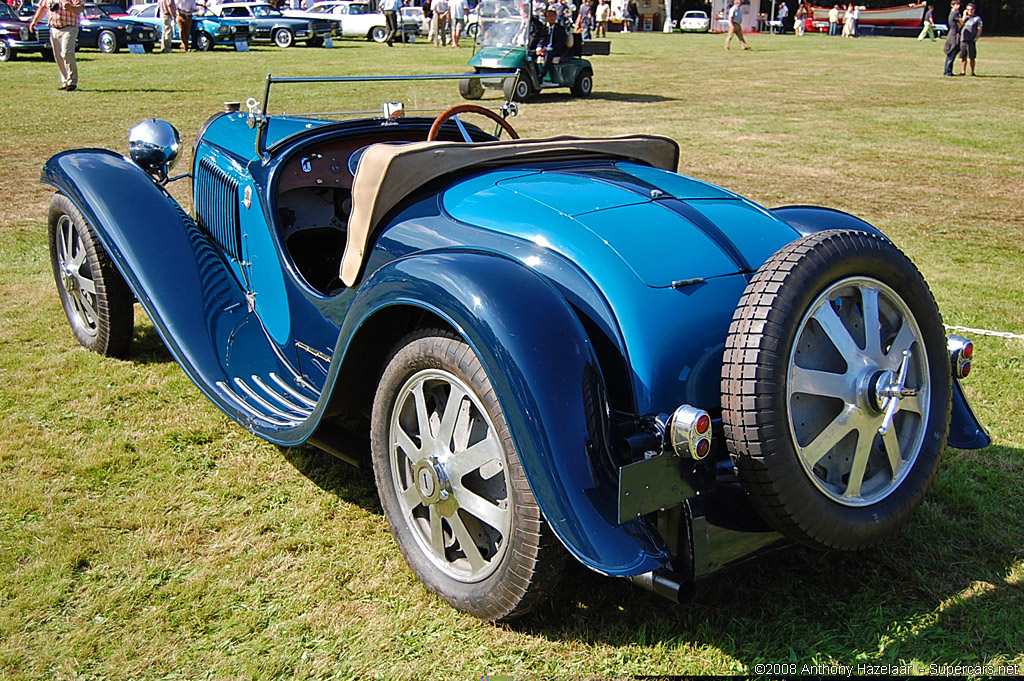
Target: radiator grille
<point>217,207</point>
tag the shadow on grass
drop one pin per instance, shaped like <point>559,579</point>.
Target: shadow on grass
<point>939,591</point>
<point>147,347</point>
<point>605,96</point>
<point>334,476</point>
<point>128,90</point>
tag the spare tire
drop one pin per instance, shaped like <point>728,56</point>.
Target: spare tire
<point>812,363</point>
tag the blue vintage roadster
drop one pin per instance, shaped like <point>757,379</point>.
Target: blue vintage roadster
<point>544,348</point>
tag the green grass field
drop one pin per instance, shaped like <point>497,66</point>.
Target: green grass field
<point>144,536</point>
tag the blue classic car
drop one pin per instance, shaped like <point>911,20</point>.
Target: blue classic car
<point>98,29</point>
<point>271,25</point>
<point>208,30</point>
<point>544,348</point>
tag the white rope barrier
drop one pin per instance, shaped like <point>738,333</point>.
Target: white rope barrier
<point>985,332</point>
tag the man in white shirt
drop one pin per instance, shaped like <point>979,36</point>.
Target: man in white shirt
<point>185,10</point>
<point>735,17</point>
<point>460,13</point>
<point>391,9</point>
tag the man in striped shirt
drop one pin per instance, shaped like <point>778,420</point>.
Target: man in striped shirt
<point>63,21</point>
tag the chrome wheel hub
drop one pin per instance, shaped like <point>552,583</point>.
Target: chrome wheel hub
<point>857,391</point>
<point>448,468</point>
<point>74,275</point>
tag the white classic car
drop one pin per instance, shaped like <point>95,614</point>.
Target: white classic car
<point>695,20</point>
<point>357,19</point>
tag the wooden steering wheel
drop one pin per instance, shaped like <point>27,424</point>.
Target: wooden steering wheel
<point>469,108</point>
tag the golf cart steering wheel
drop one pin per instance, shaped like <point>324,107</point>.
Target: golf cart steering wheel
<point>469,108</point>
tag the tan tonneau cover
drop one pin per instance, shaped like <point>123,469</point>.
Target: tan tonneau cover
<point>388,173</point>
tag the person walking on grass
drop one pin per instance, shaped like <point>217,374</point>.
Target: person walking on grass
<point>735,17</point>
<point>390,9</point>
<point>185,10</point>
<point>63,21</point>
<point>928,29</point>
<point>952,45</point>
<point>800,20</point>
<point>168,12</point>
<point>969,35</point>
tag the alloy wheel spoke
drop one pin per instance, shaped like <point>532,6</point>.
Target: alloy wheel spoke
<point>411,496</point>
<point>405,443</point>
<point>828,438</point>
<point>824,383</point>
<point>455,407</point>
<point>872,322</point>
<point>85,284</point>
<point>436,532</point>
<point>837,332</point>
<point>88,309</point>
<point>422,417</point>
<point>912,403</point>
<point>466,543</point>
<point>480,508</point>
<point>892,449</point>
<point>903,341</point>
<point>861,455</point>
<point>469,460</point>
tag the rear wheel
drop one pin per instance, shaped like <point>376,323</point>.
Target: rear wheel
<point>96,299</point>
<point>518,89</point>
<point>378,34</point>
<point>836,389</point>
<point>451,484</point>
<point>584,84</point>
<point>283,37</point>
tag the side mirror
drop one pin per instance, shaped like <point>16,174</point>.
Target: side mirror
<point>154,145</point>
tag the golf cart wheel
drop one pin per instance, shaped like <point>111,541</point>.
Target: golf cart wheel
<point>471,88</point>
<point>836,389</point>
<point>97,302</point>
<point>584,84</point>
<point>518,90</point>
<point>451,484</point>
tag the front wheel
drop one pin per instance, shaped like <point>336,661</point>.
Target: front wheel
<point>451,484</point>
<point>6,53</point>
<point>584,84</point>
<point>204,41</point>
<point>107,42</point>
<point>836,389</point>
<point>471,88</point>
<point>283,37</point>
<point>96,299</point>
<point>378,34</point>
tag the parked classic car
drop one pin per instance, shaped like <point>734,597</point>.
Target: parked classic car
<point>695,21</point>
<point>359,21</point>
<point>15,37</point>
<point>273,26</point>
<point>208,30</point>
<point>502,43</point>
<point>97,29</point>
<point>548,347</point>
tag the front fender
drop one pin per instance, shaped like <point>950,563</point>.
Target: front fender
<point>542,367</point>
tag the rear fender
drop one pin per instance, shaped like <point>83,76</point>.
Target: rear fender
<point>810,219</point>
<point>542,367</point>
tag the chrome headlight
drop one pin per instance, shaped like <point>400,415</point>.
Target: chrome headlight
<point>224,30</point>
<point>154,146</point>
<point>129,29</point>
